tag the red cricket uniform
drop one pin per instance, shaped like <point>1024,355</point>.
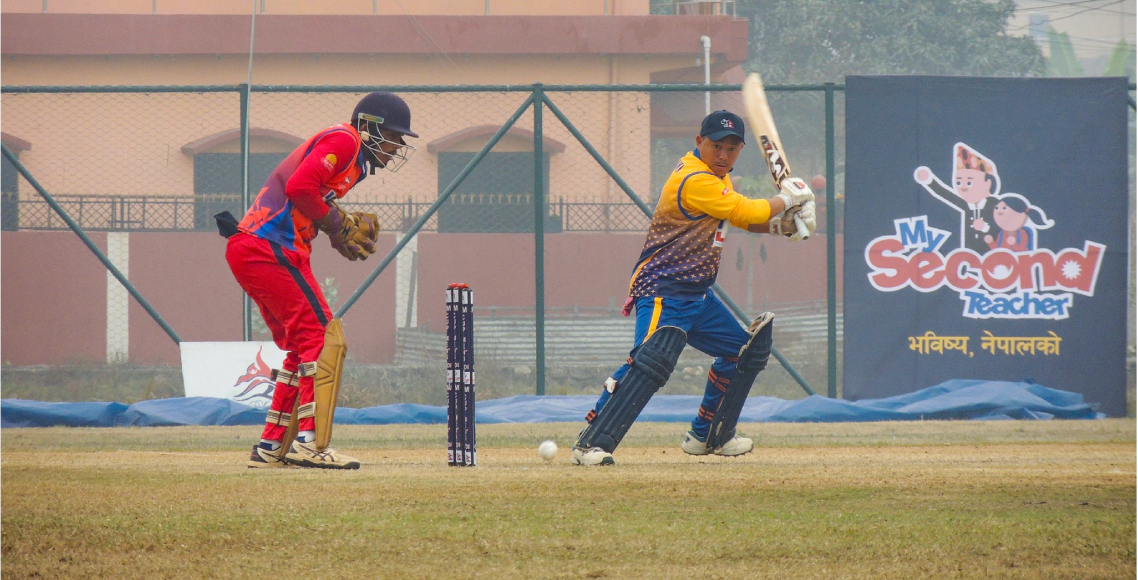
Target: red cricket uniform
<point>269,255</point>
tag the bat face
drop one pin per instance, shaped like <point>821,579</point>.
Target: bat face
<point>775,161</point>
<point>759,110</point>
<point>762,125</point>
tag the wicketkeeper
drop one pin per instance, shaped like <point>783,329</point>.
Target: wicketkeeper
<point>269,250</point>
<point>675,306</point>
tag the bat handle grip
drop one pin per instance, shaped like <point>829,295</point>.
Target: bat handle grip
<point>800,225</point>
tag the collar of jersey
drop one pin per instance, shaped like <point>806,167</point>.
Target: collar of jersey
<point>695,153</point>
<point>363,163</point>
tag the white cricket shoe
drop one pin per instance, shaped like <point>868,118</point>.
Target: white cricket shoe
<point>592,456</point>
<point>693,445</point>
<point>307,455</point>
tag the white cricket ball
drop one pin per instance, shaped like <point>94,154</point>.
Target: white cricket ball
<point>547,450</point>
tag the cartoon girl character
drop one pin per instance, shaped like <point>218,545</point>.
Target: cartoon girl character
<point>974,181</point>
<point>1018,220</point>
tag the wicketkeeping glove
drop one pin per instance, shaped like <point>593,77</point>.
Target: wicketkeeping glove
<point>352,234</point>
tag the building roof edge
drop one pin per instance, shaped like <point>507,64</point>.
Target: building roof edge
<point>191,34</point>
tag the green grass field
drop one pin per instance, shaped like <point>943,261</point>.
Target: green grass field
<point>1050,499</point>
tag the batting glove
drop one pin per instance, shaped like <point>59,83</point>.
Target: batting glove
<point>794,192</point>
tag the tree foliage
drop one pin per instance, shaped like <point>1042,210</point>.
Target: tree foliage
<point>809,41</point>
<point>1062,62</point>
<point>1121,63</point>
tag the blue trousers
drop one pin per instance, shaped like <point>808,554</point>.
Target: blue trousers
<point>711,329</point>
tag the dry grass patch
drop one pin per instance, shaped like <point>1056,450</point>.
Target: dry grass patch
<point>884,500</point>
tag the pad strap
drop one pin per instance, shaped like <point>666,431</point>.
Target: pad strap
<point>307,369</point>
<point>610,385</point>
<point>278,418</point>
<point>283,376</point>
<point>306,410</point>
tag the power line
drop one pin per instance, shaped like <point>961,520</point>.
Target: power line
<point>252,35</point>
<point>1094,43</point>
<point>1065,4</point>
<point>422,32</point>
<point>1072,4</point>
<point>1086,10</point>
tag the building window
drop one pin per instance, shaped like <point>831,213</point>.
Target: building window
<point>217,183</point>
<point>10,184</point>
<point>497,195</point>
<point>217,169</point>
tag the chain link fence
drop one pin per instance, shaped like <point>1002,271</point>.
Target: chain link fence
<point>125,161</point>
<point>167,161</point>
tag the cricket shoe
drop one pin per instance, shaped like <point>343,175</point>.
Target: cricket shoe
<point>262,458</point>
<point>307,455</point>
<point>694,445</point>
<point>592,456</point>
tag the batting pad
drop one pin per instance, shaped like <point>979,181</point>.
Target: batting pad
<point>653,364</point>
<point>752,360</point>
<point>326,384</point>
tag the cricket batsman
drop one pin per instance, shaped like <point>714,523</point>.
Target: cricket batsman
<point>268,252</point>
<point>675,306</point>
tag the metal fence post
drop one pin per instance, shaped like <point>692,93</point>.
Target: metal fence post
<point>539,238</point>
<point>246,302</point>
<point>831,253</point>
<point>742,316</point>
<point>443,197</point>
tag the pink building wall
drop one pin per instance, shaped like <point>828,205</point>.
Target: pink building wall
<point>54,297</point>
<point>54,290</point>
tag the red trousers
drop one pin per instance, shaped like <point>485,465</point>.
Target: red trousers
<point>280,281</point>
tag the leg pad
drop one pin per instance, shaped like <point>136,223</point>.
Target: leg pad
<point>326,387</point>
<point>752,360</point>
<point>290,433</point>
<point>651,366</point>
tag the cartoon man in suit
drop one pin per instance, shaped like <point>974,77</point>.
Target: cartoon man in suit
<point>974,182</point>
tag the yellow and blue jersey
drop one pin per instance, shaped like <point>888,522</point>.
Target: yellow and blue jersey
<point>681,253</point>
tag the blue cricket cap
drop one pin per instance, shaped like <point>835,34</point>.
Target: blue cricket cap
<point>720,124</point>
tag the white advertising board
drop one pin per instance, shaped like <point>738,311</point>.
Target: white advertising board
<point>239,371</point>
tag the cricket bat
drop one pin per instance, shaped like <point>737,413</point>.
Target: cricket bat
<point>762,125</point>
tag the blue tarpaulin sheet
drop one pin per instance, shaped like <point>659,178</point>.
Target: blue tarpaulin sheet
<point>954,399</point>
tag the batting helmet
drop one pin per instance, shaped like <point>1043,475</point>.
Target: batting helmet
<point>388,112</point>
